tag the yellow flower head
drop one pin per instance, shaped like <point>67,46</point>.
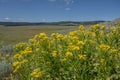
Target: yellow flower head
<point>76,48</point>
<point>41,35</point>
<point>81,27</point>
<point>103,27</point>
<point>63,60</point>
<point>17,56</point>
<point>91,34</point>
<point>16,69</point>
<point>104,47</point>
<point>20,45</point>
<point>102,61</point>
<point>82,56</point>
<point>97,26</point>
<point>27,51</point>
<point>114,51</point>
<point>80,43</point>
<point>54,54</point>
<point>69,54</point>
<point>24,61</point>
<point>101,33</point>
<point>37,49</point>
<point>15,64</point>
<point>73,33</point>
<point>36,73</point>
<point>53,34</point>
<point>32,40</point>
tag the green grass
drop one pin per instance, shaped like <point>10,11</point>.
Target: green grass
<point>12,35</point>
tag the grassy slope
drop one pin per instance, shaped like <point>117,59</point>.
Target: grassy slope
<point>11,35</point>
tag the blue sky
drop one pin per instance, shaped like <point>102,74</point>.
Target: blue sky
<point>58,10</point>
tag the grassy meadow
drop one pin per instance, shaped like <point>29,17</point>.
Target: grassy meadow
<point>61,53</point>
<point>14,34</point>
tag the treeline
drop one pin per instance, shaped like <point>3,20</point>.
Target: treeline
<point>64,23</point>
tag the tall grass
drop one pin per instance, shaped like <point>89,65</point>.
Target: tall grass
<point>83,54</point>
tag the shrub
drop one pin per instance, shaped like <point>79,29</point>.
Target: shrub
<point>83,54</point>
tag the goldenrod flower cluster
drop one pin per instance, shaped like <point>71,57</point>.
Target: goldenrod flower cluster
<point>82,56</point>
<point>18,64</point>
<point>91,53</point>
<point>54,54</point>
<point>36,73</point>
<point>69,54</point>
<point>104,47</point>
<point>114,51</point>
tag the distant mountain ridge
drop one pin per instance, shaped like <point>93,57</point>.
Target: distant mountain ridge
<point>64,23</point>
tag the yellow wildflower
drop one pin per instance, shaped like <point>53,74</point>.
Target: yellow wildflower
<point>63,60</point>
<point>59,36</point>
<point>37,49</point>
<point>82,56</point>
<point>80,43</point>
<point>32,40</point>
<point>97,26</point>
<point>20,45</point>
<point>72,33</point>
<point>103,27</point>
<point>81,27</point>
<point>17,56</point>
<point>53,34</point>
<point>76,48</point>
<point>69,54</point>
<point>91,41</point>
<point>36,73</point>
<point>112,29</point>
<point>45,38</point>
<point>101,33</point>
<point>70,47</point>
<point>15,64</point>
<point>27,51</point>
<point>104,47</point>
<point>75,38</point>
<point>24,61</point>
<point>36,36</point>
<point>54,54</point>
<point>16,69</point>
<point>92,34</point>
<point>42,35</point>
<point>114,50</point>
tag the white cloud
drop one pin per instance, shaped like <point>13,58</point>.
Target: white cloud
<point>68,2</point>
<point>6,19</point>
